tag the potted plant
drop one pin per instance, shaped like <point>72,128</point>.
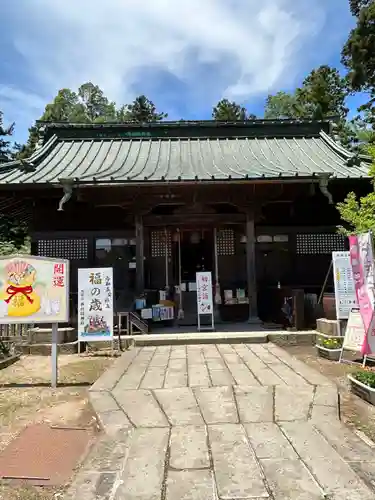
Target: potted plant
<point>329,347</point>
<point>362,384</point>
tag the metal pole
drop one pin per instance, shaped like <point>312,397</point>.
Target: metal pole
<point>54,375</point>
<point>325,282</point>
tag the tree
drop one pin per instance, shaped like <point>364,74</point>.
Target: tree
<point>321,95</point>
<point>227,111</point>
<point>5,147</point>
<point>142,110</point>
<point>359,214</point>
<point>357,5</point>
<point>358,54</point>
<point>93,105</point>
<point>282,105</point>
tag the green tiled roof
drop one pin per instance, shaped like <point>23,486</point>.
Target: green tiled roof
<point>139,160</point>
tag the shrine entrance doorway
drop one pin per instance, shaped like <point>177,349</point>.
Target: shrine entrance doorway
<point>196,255</point>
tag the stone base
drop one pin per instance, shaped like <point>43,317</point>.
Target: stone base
<point>45,349</point>
<point>331,354</point>
<point>361,390</point>
<point>328,326</point>
<point>284,339</point>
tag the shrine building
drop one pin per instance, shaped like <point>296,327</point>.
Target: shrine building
<point>253,202</point>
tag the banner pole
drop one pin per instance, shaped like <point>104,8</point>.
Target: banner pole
<point>54,376</point>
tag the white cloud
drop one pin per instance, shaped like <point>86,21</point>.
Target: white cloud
<point>252,46</point>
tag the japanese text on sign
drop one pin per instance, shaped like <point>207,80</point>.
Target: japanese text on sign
<point>204,293</point>
<point>345,296</point>
<point>95,309</point>
<point>34,289</point>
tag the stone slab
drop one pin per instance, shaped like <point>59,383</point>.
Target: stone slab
<point>322,414</point>
<point>188,448</point>
<point>133,377</point>
<point>154,377</point>
<point>113,421</point>
<point>180,406</point>
<point>266,376</point>
<point>237,472</point>
<point>242,375</point>
<point>210,351</point>
<point>109,453</point>
<point>334,475</point>
<point>92,486</point>
<point>216,364</point>
<point>178,352</point>
<point>287,374</point>
<point>217,404</point>
<point>176,375</point>
<point>142,477</point>
<point>159,359</point>
<point>142,408</point>
<point>326,396</point>
<point>268,441</point>
<point>290,480</point>
<point>293,403</point>
<point>111,376</point>
<point>198,375</point>
<point>190,485</point>
<point>255,404</point>
<point>263,354</point>
<point>102,402</point>
<point>349,446</point>
<point>221,377</point>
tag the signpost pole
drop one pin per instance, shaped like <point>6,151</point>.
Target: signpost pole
<point>54,360</point>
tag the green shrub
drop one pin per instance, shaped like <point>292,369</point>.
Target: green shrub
<point>366,376</point>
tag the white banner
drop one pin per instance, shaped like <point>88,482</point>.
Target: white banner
<point>354,333</point>
<point>95,306</point>
<point>345,295</point>
<point>204,293</point>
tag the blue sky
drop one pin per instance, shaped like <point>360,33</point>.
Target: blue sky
<point>183,54</point>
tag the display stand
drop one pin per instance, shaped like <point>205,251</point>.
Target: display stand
<point>354,336</point>
<point>204,300</point>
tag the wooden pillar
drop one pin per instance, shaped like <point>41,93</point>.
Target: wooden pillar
<point>250,268</point>
<point>139,255</point>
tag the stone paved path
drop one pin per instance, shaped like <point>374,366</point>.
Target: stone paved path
<point>204,422</point>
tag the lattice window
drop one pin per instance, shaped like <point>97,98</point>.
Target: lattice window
<point>158,243</point>
<point>225,242</point>
<point>320,243</point>
<point>71,249</point>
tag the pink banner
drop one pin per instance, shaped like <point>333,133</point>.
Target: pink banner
<point>362,261</point>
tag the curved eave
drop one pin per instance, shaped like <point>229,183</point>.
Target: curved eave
<point>342,151</point>
<point>36,156</point>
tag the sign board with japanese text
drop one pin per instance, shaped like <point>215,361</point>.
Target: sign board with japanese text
<point>204,298</point>
<point>354,332</point>
<point>95,304</point>
<point>345,296</point>
<point>34,290</point>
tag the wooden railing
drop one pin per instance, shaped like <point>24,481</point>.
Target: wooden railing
<point>129,323</point>
<point>138,323</point>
